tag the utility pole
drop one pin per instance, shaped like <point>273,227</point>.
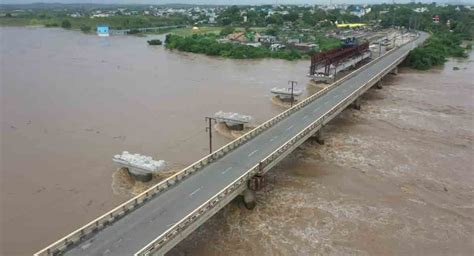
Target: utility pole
<point>380,48</point>
<point>209,129</point>
<point>292,82</point>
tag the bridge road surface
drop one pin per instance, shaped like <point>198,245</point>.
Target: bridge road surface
<point>138,228</point>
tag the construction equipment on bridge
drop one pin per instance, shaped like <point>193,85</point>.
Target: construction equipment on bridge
<point>139,166</point>
<point>325,65</point>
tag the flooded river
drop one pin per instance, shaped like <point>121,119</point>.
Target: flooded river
<point>394,178</point>
<point>71,101</point>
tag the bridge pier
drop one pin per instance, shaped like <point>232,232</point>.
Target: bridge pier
<point>394,71</point>
<point>356,104</point>
<point>235,127</point>
<point>318,136</point>
<point>143,177</point>
<point>379,84</point>
<point>250,199</point>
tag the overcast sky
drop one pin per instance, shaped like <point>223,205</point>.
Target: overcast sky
<point>227,2</point>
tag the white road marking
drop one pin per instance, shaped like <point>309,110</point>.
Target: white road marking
<point>289,128</point>
<point>195,191</point>
<point>226,170</point>
<point>253,152</point>
<point>316,109</point>
<point>117,243</point>
<point>272,139</point>
<point>327,102</point>
<point>86,246</point>
<point>306,116</point>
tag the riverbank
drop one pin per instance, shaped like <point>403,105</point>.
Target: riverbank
<point>395,178</point>
<point>51,19</point>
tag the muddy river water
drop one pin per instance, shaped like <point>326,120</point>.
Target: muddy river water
<point>394,178</point>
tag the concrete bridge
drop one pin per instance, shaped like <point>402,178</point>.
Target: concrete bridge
<point>155,221</point>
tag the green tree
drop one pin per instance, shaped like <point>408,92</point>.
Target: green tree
<point>66,24</point>
<point>226,31</point>
<point>86,28</point>
<point>292,16</point>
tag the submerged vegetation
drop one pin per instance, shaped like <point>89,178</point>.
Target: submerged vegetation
<point>207,44</point>
<point>436,50</point>
<point>155,42</point>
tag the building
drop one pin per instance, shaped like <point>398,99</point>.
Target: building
<point>102,30</point>
<point>242,37</point>
<point>267,39</point>
<point>306,47</point>
<point>420,9</point>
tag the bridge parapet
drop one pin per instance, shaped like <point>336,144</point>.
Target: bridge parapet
<point>108,218</point>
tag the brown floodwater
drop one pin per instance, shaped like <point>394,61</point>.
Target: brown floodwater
<point>70,101</point>
<point>394,178</point>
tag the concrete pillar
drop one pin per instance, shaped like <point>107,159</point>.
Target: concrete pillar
<point>356,104</point>
<point>394,71</point>
<point>379,85</point>
<point>235,127</point>
<point>140,176</point>
<point>250,200</point>
<point>318,136</point>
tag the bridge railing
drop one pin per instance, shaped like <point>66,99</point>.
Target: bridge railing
<point>118,212</point>
<point>213,202</point>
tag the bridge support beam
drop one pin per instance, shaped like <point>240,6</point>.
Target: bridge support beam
<point>394,71</point>
<point>356,104</point>
<point>250,199</point>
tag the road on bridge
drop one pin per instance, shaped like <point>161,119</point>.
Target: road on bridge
<point>138,228</point>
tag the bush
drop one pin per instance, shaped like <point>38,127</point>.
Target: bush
<point>154,42</point>
<point>85,28</point>
<point>66,24</point>
<point>227,31</point>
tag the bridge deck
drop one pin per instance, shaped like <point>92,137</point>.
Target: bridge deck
<point>135,230</point>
